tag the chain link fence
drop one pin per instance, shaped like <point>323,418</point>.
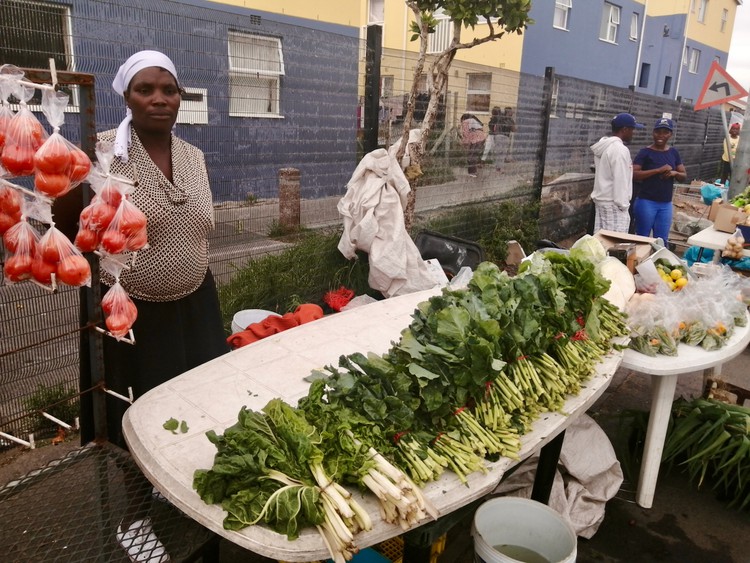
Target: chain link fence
<point>306,112</point>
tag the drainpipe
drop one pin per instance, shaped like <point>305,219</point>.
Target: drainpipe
<point>682,53</point>
<point>640,46</point>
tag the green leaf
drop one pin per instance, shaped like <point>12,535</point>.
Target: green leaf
<point>172,425</point>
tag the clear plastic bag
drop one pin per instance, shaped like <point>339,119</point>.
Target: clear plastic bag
<point>20,245</point>
<point>11,201</point>
<point>126,231</point>
<point>24,136</point>
<point>734,246</point>
<point>55,254</point>
<point>120,313</point>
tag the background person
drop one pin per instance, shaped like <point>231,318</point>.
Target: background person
<point>613,175</point>
<point>730,148</point>
<point>472,139</point>
<point>655,169</point>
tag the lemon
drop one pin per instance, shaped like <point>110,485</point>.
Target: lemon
<point>681,282</point>
<point>676,274</point>
<point>672,285</point>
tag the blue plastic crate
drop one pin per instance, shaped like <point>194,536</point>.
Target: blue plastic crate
<point>367,555</point>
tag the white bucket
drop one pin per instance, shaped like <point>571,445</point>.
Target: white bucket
<point>242,319</point>
<point>525,523</point>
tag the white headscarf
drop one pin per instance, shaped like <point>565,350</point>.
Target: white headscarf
<point>126,72</point>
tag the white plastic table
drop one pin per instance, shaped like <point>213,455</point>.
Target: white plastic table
<point>712,239</point>
<point>664,371</point>
<point>210,396</point>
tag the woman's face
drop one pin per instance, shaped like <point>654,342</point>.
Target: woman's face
<point>661,136</point>
<point>154,99</point>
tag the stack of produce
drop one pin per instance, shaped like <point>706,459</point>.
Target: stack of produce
<point>704,313</point>
<point>467,378</point>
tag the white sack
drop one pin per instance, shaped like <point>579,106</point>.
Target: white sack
<point>372,211</point>
<point>588,475</point>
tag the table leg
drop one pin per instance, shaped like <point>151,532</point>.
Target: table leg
<point>662,396</point>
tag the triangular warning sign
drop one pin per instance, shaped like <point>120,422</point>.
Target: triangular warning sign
<point>719,88</point>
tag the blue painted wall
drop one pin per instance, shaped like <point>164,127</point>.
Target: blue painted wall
<point>579,52</point>
<point>318,92</point>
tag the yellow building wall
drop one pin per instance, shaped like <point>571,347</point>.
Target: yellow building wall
<point>707,32</point>
<point>347,12</point>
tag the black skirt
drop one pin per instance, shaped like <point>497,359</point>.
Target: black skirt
<point>171,337</point>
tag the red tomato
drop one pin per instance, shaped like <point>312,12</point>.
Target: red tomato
<point>137,241</point>
<point>17,160</point>
<point>42,270</point>
<point>80,165</point>
<point>130,311</point>
<point>74,270</point>
<point>133,221</point>
<point>111,194</point>
<point>86,240</point>
<point>37,133</point>
<point>113,241</point>
<point>18,267</point>
<point>53,157</point>
<point>20,237</point>
<point>101,215</point>
<point>53,185</point>
<point>7,221</point>
<point>10,201</point>
<point>117,324</point>
<point>48,250</point>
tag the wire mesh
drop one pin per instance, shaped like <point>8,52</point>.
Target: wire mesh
<point>71,510</point>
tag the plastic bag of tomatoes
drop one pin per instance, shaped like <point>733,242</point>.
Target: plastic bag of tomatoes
<point>11,201</point>
<point>20,246</point>
<point>57,260</point>
<point>23,137</point>
<point>59,165</point>
<point>119,310</point>
<point>8,73</point>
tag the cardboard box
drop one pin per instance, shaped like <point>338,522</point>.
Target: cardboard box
<point>726,218</point>
<point>714,209</point>
<point>643,248</point>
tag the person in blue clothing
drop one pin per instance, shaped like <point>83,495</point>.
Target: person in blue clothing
<point>655,169</point>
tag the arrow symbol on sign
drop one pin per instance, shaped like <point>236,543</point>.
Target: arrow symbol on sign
<point>715,87</point>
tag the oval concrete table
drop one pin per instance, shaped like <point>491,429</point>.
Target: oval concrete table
<point>664,371</point>
<point>210,396</point>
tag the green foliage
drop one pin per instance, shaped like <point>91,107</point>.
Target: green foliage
<point>301,274</point>
<point>56,400</point>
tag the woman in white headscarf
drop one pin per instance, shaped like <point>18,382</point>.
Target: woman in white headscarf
<point>179,323</point>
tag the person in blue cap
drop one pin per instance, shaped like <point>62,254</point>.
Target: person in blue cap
<point>655,169</point>
<point>613,175</point>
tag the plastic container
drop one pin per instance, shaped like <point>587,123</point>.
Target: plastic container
<point>745,230</point>
<point>530,527</point>
<point>246,317</point>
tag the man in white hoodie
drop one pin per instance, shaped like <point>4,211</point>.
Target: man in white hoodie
<point>613,176</point>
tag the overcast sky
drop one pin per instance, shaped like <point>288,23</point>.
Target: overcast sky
<point>738,66</point>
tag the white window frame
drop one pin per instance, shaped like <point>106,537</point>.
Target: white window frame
<point>562,14</point>
<point>634,27</point>
<point>474,89</point>
<point>702,10</point>
<point>610,23</point>
<point>685,55</point>
<point>266,70</point>
<point>724,20</point>
<point>439,40</point>
<point>376,12</point>
<point>387,82</point>
<point>695,61</point>
<point>67,37</point>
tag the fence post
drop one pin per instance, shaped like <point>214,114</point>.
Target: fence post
<point>289,203</point>
<point>549,82</point>
<point>374,52</point>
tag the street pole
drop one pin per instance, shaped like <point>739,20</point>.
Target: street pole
<point>741,164</point>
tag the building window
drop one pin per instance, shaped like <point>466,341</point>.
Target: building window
<point>478,92</point>
<point>695,60</point>
<point>440,39</point>
<point>386,86</point>
<point>702,11</point>
<point>634,27</point>
<point>724,18</point>
<point>643,79</point>
<point>667,85</point>
<point>685,55</point>
<point>562,13</point>
<point>610,23</point>
<point>33,33</point>
<point>376,13</point>
<point>256,65</point>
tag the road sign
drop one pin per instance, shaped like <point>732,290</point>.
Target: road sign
<point>719,88</point>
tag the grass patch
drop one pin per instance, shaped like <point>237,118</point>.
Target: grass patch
<point>57,400</point>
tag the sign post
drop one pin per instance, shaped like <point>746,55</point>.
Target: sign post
<point>720,88</point>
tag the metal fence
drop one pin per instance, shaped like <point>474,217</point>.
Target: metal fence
<point>316,129</point>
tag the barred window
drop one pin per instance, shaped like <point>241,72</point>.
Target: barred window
<point>256,65</point>
<point>478,92</point>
